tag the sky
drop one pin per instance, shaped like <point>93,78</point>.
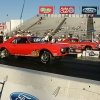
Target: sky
<point>13,8</point>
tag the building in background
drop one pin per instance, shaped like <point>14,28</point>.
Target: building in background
<point>7,27</point>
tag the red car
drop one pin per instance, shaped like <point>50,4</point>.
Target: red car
<point>33,47</point>
<point>77,44</point>
<point>99,44</point>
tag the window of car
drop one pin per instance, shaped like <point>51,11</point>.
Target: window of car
<point>20,40</point>
<point>35,39</point>
<point>73,40</point>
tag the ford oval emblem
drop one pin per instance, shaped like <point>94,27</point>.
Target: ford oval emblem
<point>89,10</point>
<point>22,96</point>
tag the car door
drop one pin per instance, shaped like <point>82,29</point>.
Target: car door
<point>75,43</point>
<point>21,46</point>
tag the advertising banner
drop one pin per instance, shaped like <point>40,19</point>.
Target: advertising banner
<point>67,9</point>
<point>2,26</point>
<point>89,10</point>
<point>46,9</point>
<point>91,53</point>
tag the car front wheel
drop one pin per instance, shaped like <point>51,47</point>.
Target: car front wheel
<point>46,57</point>
<point>4,54</point>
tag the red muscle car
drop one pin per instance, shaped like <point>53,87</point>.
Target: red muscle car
<point>77,44</point>
<point>99,44</point>
<point>33,47</point>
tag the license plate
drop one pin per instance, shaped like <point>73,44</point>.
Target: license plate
<point>78,50</point>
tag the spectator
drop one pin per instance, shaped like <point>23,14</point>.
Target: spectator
<point>29,34</point>
<point>50,37</point>
<point>46,38</point>
<point>1,34</point>
<point>53,40</point>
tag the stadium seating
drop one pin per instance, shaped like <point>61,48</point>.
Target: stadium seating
<point>46,24</point>
<point>26,25</point>
<point>59,25</point>
<point>73,25</point>
<point>96,22</point>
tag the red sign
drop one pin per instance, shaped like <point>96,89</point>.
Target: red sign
<point>2,26</point>
<point>67,9</point>
<point>46,9</point>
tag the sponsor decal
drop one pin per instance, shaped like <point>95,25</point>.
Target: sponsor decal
<point>89,10</point>
<point>22,96</point>
<point>91,53</point>
<point>35,53</point>
<point>46,10</point>
<point>67,9</point>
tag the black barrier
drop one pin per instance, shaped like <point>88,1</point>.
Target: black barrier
<point>97,16</point>
<point>1,39</point>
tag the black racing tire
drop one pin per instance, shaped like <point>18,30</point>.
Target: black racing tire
<point>4,53</point>
<point>45,57</point>
<point>88,48</point>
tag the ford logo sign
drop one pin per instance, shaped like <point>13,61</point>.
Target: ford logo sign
<point>22,96</point>
<point>89,10</point>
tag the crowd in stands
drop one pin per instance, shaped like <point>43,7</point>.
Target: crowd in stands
<point>48,37</point>
<point>79,27</point>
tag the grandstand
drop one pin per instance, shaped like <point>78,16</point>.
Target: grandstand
<point>80,25</point>
<point>26,25</point>
<point>74,26</point>
<point>46,24</point>
<point>96,22</point>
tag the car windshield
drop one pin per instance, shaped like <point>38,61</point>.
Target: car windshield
<point>35,40</point>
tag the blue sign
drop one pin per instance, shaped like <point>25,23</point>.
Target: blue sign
<point>22,96</point>
<point>92,30</point>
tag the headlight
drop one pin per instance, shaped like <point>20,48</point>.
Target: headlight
<point>99,46</point>
<point>64,50</point>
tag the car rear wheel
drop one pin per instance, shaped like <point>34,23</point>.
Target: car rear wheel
<point>46,57</point>
<point>88,48</point>
<point>4,54</point>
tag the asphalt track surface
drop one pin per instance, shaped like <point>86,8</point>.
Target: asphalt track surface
<point>87,68</point>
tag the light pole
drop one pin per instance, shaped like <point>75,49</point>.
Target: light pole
<point>22,10</point>
<point>92,36</point>
<point>92,32</point>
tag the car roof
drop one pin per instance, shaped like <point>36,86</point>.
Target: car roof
<point>23,36</point>
<point>10,39</point>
